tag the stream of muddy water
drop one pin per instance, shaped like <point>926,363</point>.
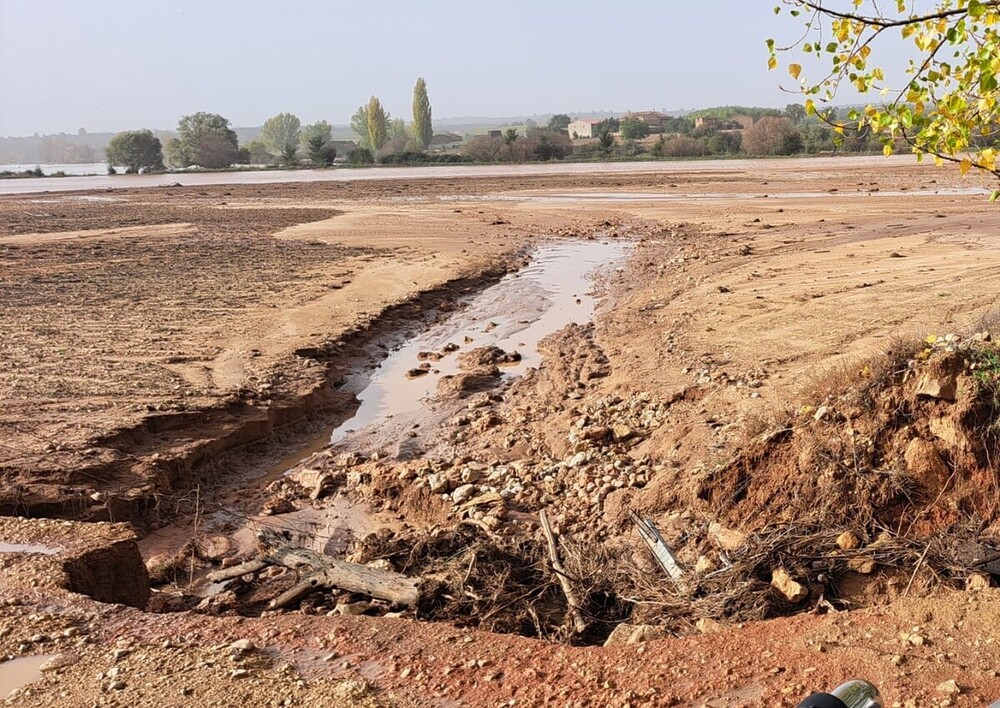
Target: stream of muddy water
<point>554,290</point>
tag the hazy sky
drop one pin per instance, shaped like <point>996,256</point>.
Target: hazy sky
<point>115,65</point>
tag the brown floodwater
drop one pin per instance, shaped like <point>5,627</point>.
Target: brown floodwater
<point>18,673</point>
<point>554,290</point>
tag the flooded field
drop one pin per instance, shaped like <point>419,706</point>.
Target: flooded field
<point>430,366</point>
<point>347,174</point>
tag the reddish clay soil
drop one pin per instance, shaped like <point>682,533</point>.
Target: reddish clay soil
<point>182,338</point>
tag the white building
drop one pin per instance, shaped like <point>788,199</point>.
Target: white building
<point>580,129</point>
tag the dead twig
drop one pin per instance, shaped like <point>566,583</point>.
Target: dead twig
<point>579,623</point>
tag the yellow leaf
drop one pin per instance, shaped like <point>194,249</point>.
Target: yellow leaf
<point>772,63</point>
<point>965,166</point>
<point>795,70</point>
<point>887,150</point>
<point>810,107</point>
<point>988,158</point>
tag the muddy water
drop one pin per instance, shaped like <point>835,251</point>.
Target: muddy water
<point>18,673</point>
<point>64,184</point>
<point>553,291</point>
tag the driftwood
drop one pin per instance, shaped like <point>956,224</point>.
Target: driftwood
<point>579,624</point>
<point>657,546</point>
<point>317,570</point>
<point>235,571</point>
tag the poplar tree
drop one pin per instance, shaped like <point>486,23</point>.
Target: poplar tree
<point>422,129</point>
<point>378,131</point>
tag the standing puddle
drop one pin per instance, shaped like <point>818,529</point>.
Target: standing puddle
<point>18,673</point>
<point>553,291</point>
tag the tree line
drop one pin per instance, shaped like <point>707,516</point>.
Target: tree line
<point>208,140</point>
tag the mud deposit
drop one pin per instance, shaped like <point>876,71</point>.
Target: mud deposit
<point>554,290</point>
<point>755,377</point>
<point>398,398</point>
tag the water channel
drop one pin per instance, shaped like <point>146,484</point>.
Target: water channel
<point>554,290</point>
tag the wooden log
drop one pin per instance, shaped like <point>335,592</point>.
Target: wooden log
<point>386,585</point>
<point>352,577</point>
<point>579,624</point>
<point>217,576</point>
<point>294,593</point>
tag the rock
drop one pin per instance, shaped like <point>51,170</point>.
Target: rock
<point>438,482</point>
<point>977,582</point>
<point>214,548</point>
<point>626,633</point>
<point>787,587</point>
<point>949,687</point>
<point>619,635</point>
<point>932,387</point>
<point>621,432</point>
<point>821,413</point>
<point>464,493</point>
<point>705,565</point>
<point>485,357</point>
<point>350,609</point>
<point>925,464</point>
<point>706,625</point>
<point>116,685</point>
<point>865,566</point>
<point>239,673</point>
<point>119,654</point>
<point>462,385</point>
<point>725,538</point>
<point>217,604</point>
<point>241,646</point>
<point>948,432</point>
<point>417,373</point>
<point>848,541</point>
<point>59,661</point>
<point>318,482</point>
<point>598,434</point>
<point>941,379</point>
<point>646,633</point>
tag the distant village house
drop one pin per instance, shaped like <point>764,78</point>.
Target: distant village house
<point>442,142</point>
<point>653,120</point>
<point>740,121</point>
<point>582,129</point>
